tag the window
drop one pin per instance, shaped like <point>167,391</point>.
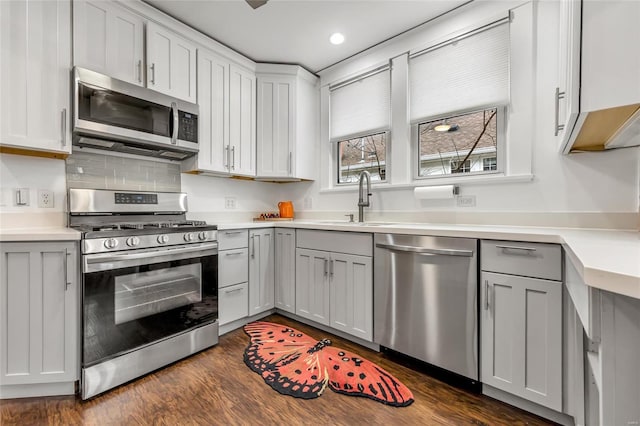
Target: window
<point>363,153</point>
<point>466,143</point>
<point>465,74</point>
<point>359,125</point>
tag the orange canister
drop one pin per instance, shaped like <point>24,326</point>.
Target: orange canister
<point>286,209</point>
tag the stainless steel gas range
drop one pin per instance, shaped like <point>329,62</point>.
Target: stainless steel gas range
<point>149,284</point>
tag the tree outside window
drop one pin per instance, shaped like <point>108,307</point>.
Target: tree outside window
<point>362,153</point>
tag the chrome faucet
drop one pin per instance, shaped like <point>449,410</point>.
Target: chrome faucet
<point>361,201</point>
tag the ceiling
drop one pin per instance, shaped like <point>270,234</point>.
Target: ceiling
<point>297,31</point>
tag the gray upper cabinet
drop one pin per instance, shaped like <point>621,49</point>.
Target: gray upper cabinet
<point>35,63</point>
<point>39,335</point>
<point>598,85</point>
<point>171,63</point>
<point>108,39</point>
<point>521,320</point>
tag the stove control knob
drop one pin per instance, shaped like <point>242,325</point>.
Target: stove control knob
<point>133,241</point>
<point>188,237</point>
<point>202,236</point>
<point>163,239</point>
<point>111,243</point>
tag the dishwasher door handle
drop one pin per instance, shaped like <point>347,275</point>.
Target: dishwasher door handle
<point>426,251</point>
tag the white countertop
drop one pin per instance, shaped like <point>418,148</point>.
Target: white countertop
<point>606,259</point>
<point>53,233</point>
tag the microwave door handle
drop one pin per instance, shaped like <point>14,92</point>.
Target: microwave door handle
<point>174,119</point>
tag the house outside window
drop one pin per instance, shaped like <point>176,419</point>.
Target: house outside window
<point>364,153</point>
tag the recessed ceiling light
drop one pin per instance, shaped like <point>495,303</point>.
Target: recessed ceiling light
<point>336,38</point>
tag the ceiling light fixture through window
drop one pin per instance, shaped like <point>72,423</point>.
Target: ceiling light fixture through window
<point>336,38</point>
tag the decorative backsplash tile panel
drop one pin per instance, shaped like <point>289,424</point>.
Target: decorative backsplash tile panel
<point>99,171</point>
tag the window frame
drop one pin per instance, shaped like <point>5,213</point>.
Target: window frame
<point>336,161</point>
<point>501,135</point>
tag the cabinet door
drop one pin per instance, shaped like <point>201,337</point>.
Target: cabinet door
<point>242,118</point>
<point>351,291</point>
<point>40,327</point>
<point>35,64</point>
<point>567,96</point>
<point>261,276</point>
<point>171,62</point>
<point>521,326</point>
<point>109,40</point>
<point>276,125</point>
<point>312,285</point>
<point>285,269</point>
<point>234,303</point>
<point>213,120</point>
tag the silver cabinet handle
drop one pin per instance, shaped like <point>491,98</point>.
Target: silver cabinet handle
<point>253,246</point>
<point>139,70</point>
<point>232,232</point>
<point>426,251</point>
<point>64,127</point>
<point>66,269</point>
<point>226,157</point>
<point>233,158</point>
<point>235,253</point>
<point>559,95</point>
<point>235,290</point>
<point>486,295</point>
<point>290,165</point>
<point>326,262</point>
<point>153,74</point>
<point>331,268</point>
<point>526,249</point>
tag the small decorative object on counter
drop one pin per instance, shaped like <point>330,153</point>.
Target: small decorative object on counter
<point>286,209</point>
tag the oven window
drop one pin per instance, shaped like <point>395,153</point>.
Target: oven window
<point>148,293</point>
<point>127,308</point>
<point>116,109</point>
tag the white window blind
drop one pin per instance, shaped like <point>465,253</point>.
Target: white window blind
<point>361,106</point>
<point>471,72</point>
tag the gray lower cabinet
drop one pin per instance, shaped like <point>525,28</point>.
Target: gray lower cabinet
<point>261,270</point>
<point>40,327</point>
<point>521,321</point>
<point>335,288</point>
<point>285,269</point>
<point>233,275</point>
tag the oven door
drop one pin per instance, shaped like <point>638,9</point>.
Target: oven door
<point>132,299</point>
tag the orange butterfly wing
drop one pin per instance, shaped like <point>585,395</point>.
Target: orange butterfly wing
<point>352,375</point>
<point>280,354</point>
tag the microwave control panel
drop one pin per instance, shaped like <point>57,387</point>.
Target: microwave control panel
<point>187,127</point>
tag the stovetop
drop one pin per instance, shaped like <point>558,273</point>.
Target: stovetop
<point>112,229</point>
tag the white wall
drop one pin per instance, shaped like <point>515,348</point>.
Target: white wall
<point>589,182</point>
<point>18,171</point>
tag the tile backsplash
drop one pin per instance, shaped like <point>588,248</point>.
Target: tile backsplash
<point>99,171</point>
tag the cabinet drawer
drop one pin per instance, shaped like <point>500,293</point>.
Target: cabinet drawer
<point>535,260</point>
<point>233,239</point>
<point>233,267</point>
<point>233,303</point>
<point>336,241</point>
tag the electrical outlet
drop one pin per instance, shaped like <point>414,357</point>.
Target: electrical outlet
<point>229,203</point>
<point>45,198</point>
<point>22,197</point>
<point>466,200</point>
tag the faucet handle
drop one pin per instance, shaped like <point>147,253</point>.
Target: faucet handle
<point>350,217</point>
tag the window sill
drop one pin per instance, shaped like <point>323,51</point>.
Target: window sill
<point>459,181</point>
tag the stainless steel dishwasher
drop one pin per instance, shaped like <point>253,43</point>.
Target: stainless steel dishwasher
<point>425,299</point>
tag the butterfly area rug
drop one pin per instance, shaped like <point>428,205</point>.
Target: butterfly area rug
<point>295,364</point>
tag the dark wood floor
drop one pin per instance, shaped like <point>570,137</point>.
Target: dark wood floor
<point>215,387</point>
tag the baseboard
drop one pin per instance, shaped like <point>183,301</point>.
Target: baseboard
<point>234,325</point>
<point>532,407</point>
<point>37,390</point>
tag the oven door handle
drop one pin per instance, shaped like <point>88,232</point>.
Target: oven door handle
<point>168,254</point>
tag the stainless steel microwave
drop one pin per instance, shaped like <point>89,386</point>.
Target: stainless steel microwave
<point>119,116</point>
